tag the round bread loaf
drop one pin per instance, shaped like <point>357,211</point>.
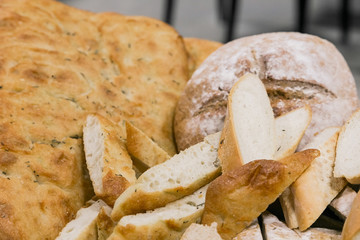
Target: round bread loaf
<point>297,69</point>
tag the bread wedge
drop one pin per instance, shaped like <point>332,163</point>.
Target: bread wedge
<point>313,191</point>
<point>290,128</point>
<point>351,230</point>
<point>274,229</point>
<point>105,225</point>
<point>347,162</point>
<point>83,227</point>
<point>200,232</point>
<point>249,128</point>
<point>251,232</point>
<point>143,149</point>
<point>109,164</point>
<point>341,205</point>
<point>177,177</point>
<point>167,223</point>
<point>236,198</point>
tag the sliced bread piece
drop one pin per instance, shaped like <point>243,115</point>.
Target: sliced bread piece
<point>274,229</point>
<point>317,187</point>
<point>142,148</point>
<point>109,164</point>
<point>351,230</point>
<point>290,128</point>
<point>236,198</point>
<point>288,208</point>
<point>167,223</point>
<point>105,225</point>
<point>319,234</point>
<point>347,162</point>
<point>173,179</point>
<point>251,232</point>
<point>83,227</point>
<point>341,205</point>
<point>200,232</point>
<point>249,128</point>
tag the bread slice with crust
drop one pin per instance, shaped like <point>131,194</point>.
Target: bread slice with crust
<point>319,234</point>
<point>313,191</point>
<point>251,232</point>
<point>109,164</point>
<point>351,230</point>
<point>236,198</point>
<point>249,128</point>
<point>83,227</point>
<point>341,205</point>
<point>275,229</point>
<point>200,232</point>
<point>171,180</point>
<point>165,223</point>
<point>143,148</point>
<point>347,162</point>
<point>290,128</point>
<point>105,225</point>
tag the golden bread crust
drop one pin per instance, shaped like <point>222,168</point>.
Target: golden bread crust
<point>57,65</point>
<point>352,226</point>
<point>198,50</point>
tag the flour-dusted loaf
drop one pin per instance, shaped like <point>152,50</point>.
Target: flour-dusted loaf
<point>341,205</point>
<point>249,131</point>
<point>313,191</point>
<point>348,150</point>
<point>173,179</point>
<point>145,152</point>
<point>236,198</point>
<point>290,128</point>
<point>83,227</point>
<point>165,223</point>
<point>297,69</point>
<point>108,162</point>
<point>351,229</point>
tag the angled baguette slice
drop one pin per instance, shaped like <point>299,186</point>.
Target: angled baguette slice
<point>198,231</point>
<point>83,227</point>
<point>351,229</point>
<point>168,222</point>
<point>275,229</point>
<point>249,128</point>
<point>290,128</point>
<point>313,191</point>
<point>142,148</point>
<point>109,164</point>
<point>236,198</point>
<point>251,232</point>
<point>347,162</point>
<point>341,205</point>
<point>171,180</point>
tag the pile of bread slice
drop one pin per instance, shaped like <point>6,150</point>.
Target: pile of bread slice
<point>222,187</point>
